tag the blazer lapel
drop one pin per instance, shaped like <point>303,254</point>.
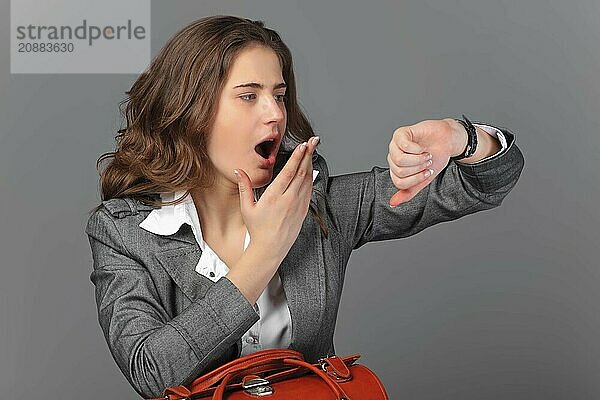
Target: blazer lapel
<point>179,256</point>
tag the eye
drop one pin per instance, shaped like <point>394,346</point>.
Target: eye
<point>243,97</point>
<point>247,97</point>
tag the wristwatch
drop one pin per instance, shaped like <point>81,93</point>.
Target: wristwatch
<point>471,142</point>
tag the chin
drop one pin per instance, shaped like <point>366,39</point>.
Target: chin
<point>263,178</point>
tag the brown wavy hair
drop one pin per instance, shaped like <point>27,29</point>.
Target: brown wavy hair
<point>172,105</point>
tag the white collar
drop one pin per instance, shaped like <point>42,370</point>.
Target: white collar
<point>167,220</point>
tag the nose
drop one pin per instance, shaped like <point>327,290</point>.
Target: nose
<point>274,110</point>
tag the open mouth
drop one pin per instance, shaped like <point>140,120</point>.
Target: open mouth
<point>265,149</point>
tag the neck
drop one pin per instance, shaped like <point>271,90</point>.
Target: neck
<point>218,209</point>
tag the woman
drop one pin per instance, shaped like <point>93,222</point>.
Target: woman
<point>193,266</point>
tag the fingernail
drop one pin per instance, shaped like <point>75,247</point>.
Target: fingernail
<point>429,156</point>
<point>303,146</point>
<point>237,174</point>
<point>428,172</point>
<point>316,140</point>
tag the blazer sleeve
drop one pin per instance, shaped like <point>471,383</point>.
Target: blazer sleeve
<point>359,202</point>
<point>153,350</point>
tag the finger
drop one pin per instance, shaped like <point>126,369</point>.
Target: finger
<point>404,142</point>
<point>402,196</point>
<point>403,159</point>
<point>288,172</point>
<point>245,189</point>
<point>403,172</point>
<point>412,180</point>
<point>305,171</point>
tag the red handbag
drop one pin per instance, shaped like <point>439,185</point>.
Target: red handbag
<point>280,374</point>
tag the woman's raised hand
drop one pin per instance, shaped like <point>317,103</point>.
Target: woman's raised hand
<point>417,154</point>
<point>275,220</point>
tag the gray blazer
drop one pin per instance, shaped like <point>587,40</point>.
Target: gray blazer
<point>166,324</point>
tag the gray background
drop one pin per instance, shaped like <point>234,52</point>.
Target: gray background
<point>515,317</point>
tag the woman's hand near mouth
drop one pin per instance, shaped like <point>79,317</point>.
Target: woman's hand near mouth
<point>274,221</point>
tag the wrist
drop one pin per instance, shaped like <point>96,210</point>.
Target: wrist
<point>487,145</point>
<point>471,146</point>
<point>459,139</point>
<point>264,253</point>
<point>252,272</point>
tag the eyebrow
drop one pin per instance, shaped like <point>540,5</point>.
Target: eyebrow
<point>260,85</point>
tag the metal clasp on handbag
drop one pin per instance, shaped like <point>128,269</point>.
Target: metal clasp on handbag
<point>339,371</point>
<point>258,387</point>
<point>323,361</point>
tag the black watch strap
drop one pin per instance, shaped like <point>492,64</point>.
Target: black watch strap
<point>471,142</point>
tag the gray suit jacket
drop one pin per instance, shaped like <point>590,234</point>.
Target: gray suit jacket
<point>166,324</point>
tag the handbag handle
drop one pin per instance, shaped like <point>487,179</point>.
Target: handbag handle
<point>337,390</point>
<point>263,358</point>
<point>255,363</point>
